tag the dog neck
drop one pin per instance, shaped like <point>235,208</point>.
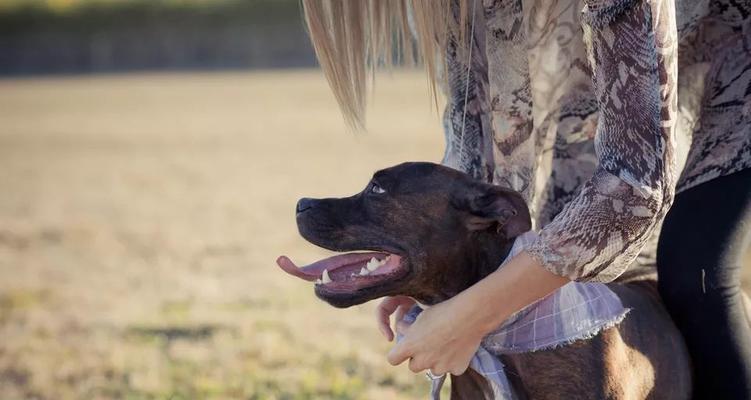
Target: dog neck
<point>483,255</point>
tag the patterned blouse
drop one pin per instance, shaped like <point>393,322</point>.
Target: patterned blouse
<point>599,111</point>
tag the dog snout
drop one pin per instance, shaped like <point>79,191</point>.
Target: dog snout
<point>304,204</point>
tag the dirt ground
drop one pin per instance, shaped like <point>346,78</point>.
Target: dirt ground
<point>140,218</point>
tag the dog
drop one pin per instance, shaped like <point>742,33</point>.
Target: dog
<point>429,232</point>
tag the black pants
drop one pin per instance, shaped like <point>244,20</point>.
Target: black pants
<point>699,259</point>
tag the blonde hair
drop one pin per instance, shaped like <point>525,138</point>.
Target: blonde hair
<point>352,38</point>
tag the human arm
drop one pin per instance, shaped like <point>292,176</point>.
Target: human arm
<point>632,48</point>
<point>445,336</point>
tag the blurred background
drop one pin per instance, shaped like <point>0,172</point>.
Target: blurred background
<point>151,155</point>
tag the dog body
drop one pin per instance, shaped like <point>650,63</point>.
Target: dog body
<point>643,357</point>
<point>433,232</point>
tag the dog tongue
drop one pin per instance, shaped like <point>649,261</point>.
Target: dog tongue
<point>313,271</point>
<point>303,273</point>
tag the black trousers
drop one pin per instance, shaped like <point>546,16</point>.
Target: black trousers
<point>699,260</point>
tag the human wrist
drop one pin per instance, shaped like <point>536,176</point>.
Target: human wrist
<point>483,311</point>
<point>521,281</point>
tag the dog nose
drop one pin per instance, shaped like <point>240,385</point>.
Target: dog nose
<point>304,204</point>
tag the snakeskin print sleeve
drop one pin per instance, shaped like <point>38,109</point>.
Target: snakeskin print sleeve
<point>631,47</point>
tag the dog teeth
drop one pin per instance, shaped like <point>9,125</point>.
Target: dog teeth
<point>364,271</point>
<point>374,263</point>
<point>325,278</point>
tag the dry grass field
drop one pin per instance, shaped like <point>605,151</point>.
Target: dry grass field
<point>140,218</point>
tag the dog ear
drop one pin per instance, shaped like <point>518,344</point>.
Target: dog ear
<point>500,207</point>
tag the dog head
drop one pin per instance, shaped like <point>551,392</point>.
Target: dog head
<point>417,229</point>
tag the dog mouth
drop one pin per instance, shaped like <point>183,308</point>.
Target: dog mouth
<point>346,273</point>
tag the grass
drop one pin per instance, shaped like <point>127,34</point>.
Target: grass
<point>62,6</point>
<point>139,223</point>
<point>101,17</point>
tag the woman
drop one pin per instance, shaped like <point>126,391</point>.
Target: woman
<point>587,109</point>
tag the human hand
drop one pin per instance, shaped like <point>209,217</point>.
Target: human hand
<point>443,339</point>
<point>445,336</point>
<point>390,305</point>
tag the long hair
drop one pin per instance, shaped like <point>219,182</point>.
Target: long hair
<point>352,38</point>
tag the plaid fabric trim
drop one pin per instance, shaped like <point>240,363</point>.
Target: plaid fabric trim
<point>574,312</point>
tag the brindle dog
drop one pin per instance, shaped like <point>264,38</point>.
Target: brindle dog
<point>432,232</point>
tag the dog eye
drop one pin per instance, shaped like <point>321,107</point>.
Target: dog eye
<point>374,188</point>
